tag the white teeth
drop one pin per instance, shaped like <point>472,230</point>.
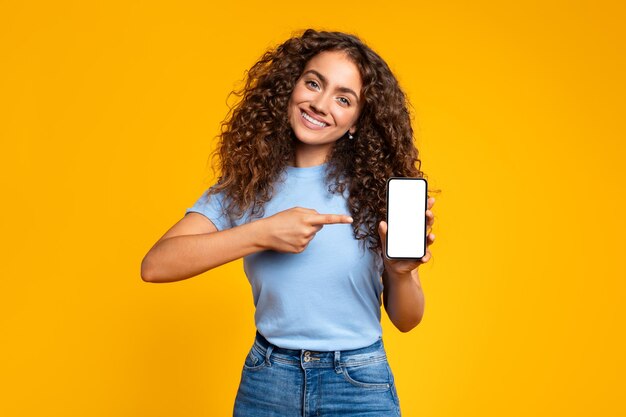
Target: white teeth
<point>312,120</point>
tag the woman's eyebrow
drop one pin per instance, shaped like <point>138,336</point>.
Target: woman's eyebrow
<point>323,80</point>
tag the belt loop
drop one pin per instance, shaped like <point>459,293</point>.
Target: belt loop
<point>337,359</point>
<point>268,353</point>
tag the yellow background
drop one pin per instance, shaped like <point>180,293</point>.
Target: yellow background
<point>109,111</point>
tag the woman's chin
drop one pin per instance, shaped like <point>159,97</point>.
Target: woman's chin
<point>313,138</point>
<point>305,141</point>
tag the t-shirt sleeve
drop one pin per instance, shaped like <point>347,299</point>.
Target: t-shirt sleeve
<point>211,207</point>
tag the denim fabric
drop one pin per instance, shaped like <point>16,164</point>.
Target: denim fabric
<point>277,382</point>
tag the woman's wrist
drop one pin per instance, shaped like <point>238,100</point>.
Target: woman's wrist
<point>259,233</point>
<point>404,277</point>
<point>400,275</point>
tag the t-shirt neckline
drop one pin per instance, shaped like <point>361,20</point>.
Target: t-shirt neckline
<point>307,172</point>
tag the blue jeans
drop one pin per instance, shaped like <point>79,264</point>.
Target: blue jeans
<point>277,382</point>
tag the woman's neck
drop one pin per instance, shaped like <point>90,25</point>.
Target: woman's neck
<point>309,156</point>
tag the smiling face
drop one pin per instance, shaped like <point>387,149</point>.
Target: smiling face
<point>325,104</point>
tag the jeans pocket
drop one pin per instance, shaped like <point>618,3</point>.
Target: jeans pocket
<point>255,360</point>
<point>372,375</point>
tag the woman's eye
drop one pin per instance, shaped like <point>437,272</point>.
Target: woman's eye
<point>312,84</point>
<point>344,101</point>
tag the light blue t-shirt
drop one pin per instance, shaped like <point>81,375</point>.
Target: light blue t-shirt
<point>324,298</point>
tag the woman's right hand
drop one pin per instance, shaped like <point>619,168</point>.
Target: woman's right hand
<point>290,231</point>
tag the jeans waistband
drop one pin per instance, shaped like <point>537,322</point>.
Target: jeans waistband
<point>372,353</point>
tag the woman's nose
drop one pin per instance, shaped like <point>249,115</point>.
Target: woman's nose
<point>319,104</point>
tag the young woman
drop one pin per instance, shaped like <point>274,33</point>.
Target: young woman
<point>304,158</point>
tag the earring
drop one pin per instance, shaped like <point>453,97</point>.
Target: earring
<point>350,136</point>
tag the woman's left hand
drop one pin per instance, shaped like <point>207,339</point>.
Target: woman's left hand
<point>405,266</point>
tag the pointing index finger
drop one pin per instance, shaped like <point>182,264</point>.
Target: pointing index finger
<point>330,219</point>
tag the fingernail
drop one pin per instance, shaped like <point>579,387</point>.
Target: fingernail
<point>350,219</point>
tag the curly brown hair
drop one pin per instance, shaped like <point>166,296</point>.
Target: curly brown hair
<point>257,143</point>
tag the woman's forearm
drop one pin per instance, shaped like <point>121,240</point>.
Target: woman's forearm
<point>181,257</point>
<point>404,300</point>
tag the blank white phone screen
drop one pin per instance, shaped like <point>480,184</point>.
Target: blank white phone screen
<point>406,217</point>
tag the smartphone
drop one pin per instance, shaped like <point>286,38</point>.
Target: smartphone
<point>406,218</point>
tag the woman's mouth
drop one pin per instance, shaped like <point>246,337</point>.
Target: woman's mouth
<point>313,123</point>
